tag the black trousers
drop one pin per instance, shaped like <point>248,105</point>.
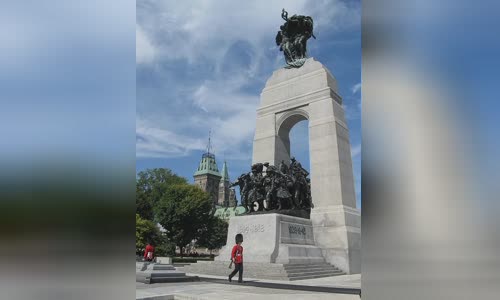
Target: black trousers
<point>237,268</point>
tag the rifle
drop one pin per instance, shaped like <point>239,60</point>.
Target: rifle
<point>284,14</point>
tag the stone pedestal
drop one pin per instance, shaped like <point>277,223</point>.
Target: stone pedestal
<point>310,93</point>
<point>164,260</point>
<point>275,246</point>
<point>273,238</point>
<point>147,272</point>
<point>337,230</point>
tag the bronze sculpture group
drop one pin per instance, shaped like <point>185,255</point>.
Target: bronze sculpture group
<point>285,187</point>
<point>292,38</point>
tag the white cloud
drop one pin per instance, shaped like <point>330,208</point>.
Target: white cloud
<point>209,53</point>
<point>156,142</point>
<point>355,151</point>
<point>229,113</point>
<point>198,30</point>
<point>223,109</point>
<point>352,108</point>
<point>223,96</point>
<point>144,51</point>
<point>334,15</point>
<point>356,88</point>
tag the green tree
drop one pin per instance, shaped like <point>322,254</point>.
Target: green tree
<point>215,234</point>
<point>184,211</point>
<point>150,187</point>
<point>146,231</point>
<point>166,248</point>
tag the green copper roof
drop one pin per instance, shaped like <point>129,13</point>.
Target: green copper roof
<point>224,173</point>
<point>227,213</point>
<point>207,165</point>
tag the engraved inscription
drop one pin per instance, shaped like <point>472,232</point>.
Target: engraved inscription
<point>295,229</point>
<point>251,228</point>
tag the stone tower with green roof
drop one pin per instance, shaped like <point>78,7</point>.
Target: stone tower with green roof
<point>207,176</point>
<point>227,196</point>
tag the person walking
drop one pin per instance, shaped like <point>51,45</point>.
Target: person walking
<point>149,252</point>
<point>237,258</point>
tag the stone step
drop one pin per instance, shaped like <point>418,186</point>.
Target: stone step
<point>284,275</point>
<point>312,269</point>
<point>276,272</point>
<point>163,267</point>
<point>267,267</point>
<point>305,268</point>
<point>312,272</point>
<point>141,266</point>
<point>306,261</point>
<point>162,279</point>
<point>300,271</point>
<point>293,274</point>
<point>314,276</point>
<point>219,264</point>
<point>323,266</point>
<point>271,271</point>
<point>306,265</point>
<point>167,274</point>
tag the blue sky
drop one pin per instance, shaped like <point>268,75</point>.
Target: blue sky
<point>201,66</point>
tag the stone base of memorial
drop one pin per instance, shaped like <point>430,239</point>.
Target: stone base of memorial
<point>273,238</point>
<point>150,272</point>
<point>300,213</point>
<point>275,246</point>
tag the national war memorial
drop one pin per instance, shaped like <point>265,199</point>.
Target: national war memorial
<point>296,225</point>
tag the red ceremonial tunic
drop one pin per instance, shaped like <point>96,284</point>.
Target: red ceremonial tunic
<point>237,254</point>
<point>151,249</point>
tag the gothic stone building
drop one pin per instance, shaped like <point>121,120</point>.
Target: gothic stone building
<point>216,183</point>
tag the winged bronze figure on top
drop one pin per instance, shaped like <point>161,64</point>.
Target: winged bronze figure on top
<point>292,38</point>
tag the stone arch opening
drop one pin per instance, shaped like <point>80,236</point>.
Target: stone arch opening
<point>284,126</point>
<point>299,143</point>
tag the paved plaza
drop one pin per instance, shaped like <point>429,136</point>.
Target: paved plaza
<point>216,287</point>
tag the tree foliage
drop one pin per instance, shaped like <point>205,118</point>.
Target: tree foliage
<point>146,231</point>
<point>151,186</point>
<point>215,235</point>
<point>185,212</point>
<point>166,248</point>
